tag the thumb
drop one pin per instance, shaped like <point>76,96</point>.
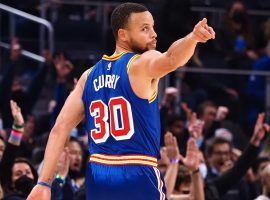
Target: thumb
<point>180,157</point>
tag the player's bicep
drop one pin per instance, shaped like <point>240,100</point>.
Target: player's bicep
<point>153,64</point>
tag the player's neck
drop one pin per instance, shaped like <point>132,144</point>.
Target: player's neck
<point>121,48</point>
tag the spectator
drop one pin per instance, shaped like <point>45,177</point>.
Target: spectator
<point>67,180</point>
<point>17,176</point>
<point>236,36</point>
<point>191,161</point>
<point>2,147</point>
<point>265,178</point>
<point>256,186</point>
<point>220,161</point>
<point>23,178</point>
<point>176,125</point>
<point>217,187</point>
<point>183,181</point>
<point>256,88</point>
<point>168,109</point>
<point>207,112</point>
<point>215,117</point>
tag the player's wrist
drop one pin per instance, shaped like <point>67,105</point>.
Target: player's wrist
<point>192,37</point>
<point>44,184</point>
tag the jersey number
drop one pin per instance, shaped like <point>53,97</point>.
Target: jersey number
<point>121,125</point>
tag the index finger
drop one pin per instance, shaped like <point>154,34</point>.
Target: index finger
<point>193,118</point>
<point>203,22</point>
<point>260,118</point>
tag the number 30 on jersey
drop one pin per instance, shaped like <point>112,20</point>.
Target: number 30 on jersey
<point>121,125</point>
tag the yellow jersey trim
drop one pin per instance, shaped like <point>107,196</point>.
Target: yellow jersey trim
<point>131,60</point>
<point>153,97</point>
<point>123,159</point>
<point>113,57</point>
<point>89,70</point>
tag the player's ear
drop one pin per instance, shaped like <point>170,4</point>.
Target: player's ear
<point>122,35</point>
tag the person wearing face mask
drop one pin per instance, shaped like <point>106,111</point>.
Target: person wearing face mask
<point>17,176</point>
<point>11,148</point>
<point>21,180</point>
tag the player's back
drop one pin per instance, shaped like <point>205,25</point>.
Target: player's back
<point>118,121</point>
<point>124,135</point>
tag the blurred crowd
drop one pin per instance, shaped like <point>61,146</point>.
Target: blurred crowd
<point>223,114</point>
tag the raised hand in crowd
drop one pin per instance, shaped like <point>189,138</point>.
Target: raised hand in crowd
<point>228,164</point>
<point>187,110</point>
<point>173,154</point>
<point>169,100</point>
<point>260,130</point>
<point>191,161</point>
<point>171,146</point>
<point>16,113</point>
<point>222,113</point>
<point>192,158</point>
<point>63,164</point>
<point>195,126</point>
<point>18,124</point>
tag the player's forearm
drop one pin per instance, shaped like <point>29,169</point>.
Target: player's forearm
<point>181,51</point>
<point>54,148</point>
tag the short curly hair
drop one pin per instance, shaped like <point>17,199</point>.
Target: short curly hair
<point>121,14</point>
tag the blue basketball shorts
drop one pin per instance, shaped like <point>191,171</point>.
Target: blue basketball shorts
<point>132,177</point>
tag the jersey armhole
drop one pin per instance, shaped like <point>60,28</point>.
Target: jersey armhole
<point>89,70</point>
<point>131,60</point>
<point>153,97</point>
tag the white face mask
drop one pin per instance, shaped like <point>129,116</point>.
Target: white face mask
<point>203,170</point>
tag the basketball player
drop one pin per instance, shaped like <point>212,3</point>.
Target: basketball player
<point>118,97</point>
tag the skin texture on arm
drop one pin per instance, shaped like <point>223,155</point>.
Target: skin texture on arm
<point>71,114</point>
<point>146,70</point>
<point>156,64</point>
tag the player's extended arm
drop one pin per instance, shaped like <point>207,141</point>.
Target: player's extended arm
<point>71,114</point>
<point>156,64</point>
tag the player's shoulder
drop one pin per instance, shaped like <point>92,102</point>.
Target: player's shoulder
<point>147,57</point>
<point>85,74</point>
<point>151,53</point>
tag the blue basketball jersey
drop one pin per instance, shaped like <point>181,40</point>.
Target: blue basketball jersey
<point>117,120</point>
